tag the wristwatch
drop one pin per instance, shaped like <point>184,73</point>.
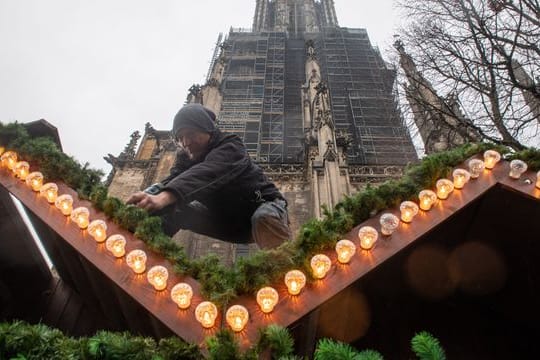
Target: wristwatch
<point>154,189</point>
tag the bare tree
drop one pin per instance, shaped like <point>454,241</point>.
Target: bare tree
<point>481,56</point>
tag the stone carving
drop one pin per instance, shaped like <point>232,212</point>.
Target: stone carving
<point>213,82</point>
<point>310,49</point>
<point>127,154</point>
<point>195,94</point>
<point>313,153</point>
<point>393,171</point>
<point>326,119</point>
<point>149,130</point>
<point>377,171</point>
<point>330,153</point>
<point>321,88</point>
<point>343,139</point>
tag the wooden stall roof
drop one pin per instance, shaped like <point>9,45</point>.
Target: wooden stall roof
<point>290,308</point>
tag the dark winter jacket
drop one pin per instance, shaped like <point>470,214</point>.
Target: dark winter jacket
<point>226,180</point>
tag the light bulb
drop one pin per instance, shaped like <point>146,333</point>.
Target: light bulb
<point>517,167</point>
<point>345,250</point>
<point>157,276</point>
<point>461,177</point>
<point>81,217</point>
<point>136,260</point>
<point>237,317</point>
<point>267,298</point>
<point>116,244</point>
<point>408,210</point>
<point>206,313</point>
<point>295,281</point>
<point>35,180</point>
<point>21,170</point>
<point>181,294</point>
<point>64,203</point>
<point>389,223</point>
<point>491,158</point>
<point>444,188</point>
<point>50,191</point>
<point>320,265</point>
<point>9,159</point>
<point>476,167</point>
<point>426,199</point>
<point>97,229</point>
<point>368,237</point>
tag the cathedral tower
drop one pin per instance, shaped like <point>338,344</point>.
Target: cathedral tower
<point>314,103</point>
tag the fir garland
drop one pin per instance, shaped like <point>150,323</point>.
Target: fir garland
<point>219,283</point>
<point>20,340</point>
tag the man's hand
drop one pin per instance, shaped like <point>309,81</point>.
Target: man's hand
<point>151,203</point>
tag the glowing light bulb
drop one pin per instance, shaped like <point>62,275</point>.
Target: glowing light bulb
<point>116,244</point>
<point>21,170</point>
<point>157,276</point>
<point>368,237</point>
<point>181,294</point>
<point>295,281</point>
<point>2,149</point>
<point>320,265</point>
<point>81,217</point>
<point>97,229</point>
<point>206,313</point>
<point>408,211</point>
<point>517,167</point>
<point>64,203</point>
<point>50,191</point>
<point>267,298</point>
<point>476,167</point>
<point>35,180</point>
<point>389,223</point>
<point>345,250</point>
<point>426,199</point>
<point>444,188</point>
<point>491,158</point>
<point>237,317</point>
<point>9,159</point>
<point>461,177</point>
<point>136,260</point>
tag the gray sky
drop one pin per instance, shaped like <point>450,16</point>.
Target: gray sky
<point>99,70</point>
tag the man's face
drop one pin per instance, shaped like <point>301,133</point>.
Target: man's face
<point>193,141</point>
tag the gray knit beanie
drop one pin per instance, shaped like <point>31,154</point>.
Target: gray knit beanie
<point>194,116</point>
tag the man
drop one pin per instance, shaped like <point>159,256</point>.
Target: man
<point>214,188</point>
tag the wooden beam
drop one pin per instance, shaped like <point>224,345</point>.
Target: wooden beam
<point>290,309</point>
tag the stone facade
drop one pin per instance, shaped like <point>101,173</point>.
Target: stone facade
<point>292,89</point>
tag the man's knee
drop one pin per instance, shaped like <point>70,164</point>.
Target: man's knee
<point>270,224</point>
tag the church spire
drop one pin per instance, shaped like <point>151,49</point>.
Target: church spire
<point>440,121</point>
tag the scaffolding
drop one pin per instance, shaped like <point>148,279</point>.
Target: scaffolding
<point>264,71</point>
<point>363,104</point>
<point>259,104</point>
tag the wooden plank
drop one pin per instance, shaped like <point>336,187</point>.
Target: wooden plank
<point>24,274</point>
<point>290,308</point>
<point>182,323</point>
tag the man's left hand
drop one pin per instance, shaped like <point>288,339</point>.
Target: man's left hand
<point>153,203</point>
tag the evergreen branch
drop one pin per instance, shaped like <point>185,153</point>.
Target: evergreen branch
<point>221,284</point>
<point>427,347</point>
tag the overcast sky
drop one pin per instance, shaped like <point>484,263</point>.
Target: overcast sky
<point>100,69</point>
